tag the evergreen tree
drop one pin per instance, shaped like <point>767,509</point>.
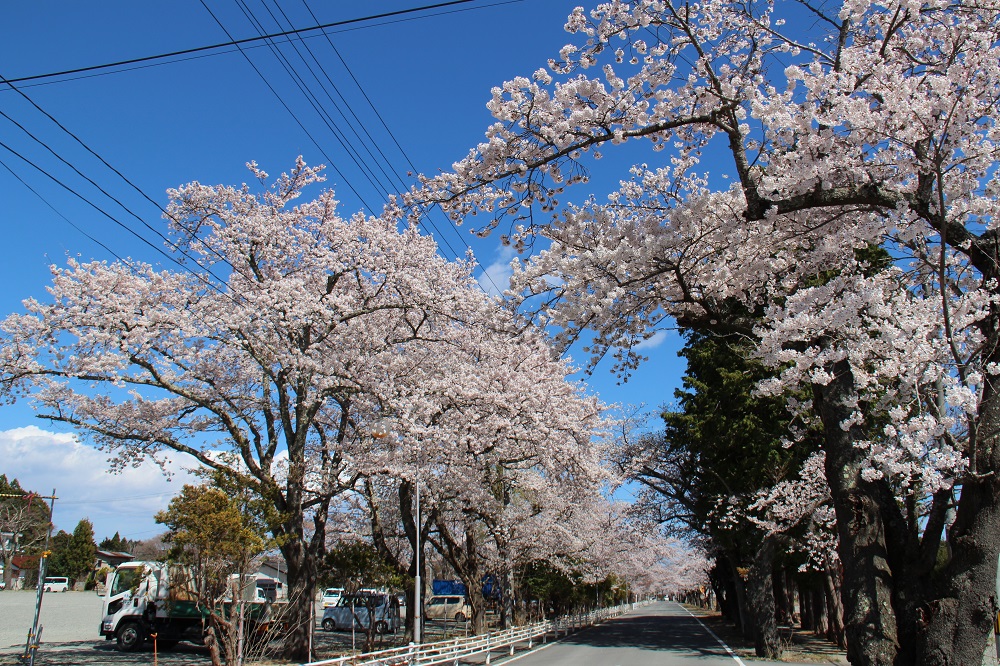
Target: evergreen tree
<point>59,547</point>
<point>117,544</point>
<point>79,555</point>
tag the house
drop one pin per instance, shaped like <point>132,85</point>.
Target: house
<point>22,568</point>
<point>272,577</point>
<point>105,562</point>
<point>110,559</point>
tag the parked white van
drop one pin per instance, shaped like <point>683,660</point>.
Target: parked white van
<point>331,596</point>
<point>56,584</point>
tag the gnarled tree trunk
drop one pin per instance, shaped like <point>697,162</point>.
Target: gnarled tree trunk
<point>869,616</point>
<point>760,598</point>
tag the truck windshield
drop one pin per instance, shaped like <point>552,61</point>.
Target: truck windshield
<point>125,579</point>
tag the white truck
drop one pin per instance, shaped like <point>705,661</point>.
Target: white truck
<point>146,600</point>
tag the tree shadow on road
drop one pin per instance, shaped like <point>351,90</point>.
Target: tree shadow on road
<point>651,632</point>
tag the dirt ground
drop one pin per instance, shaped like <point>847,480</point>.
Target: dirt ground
<point>801,646</point>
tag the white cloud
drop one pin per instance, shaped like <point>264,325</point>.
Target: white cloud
<point>652,342</point>
<point>41,460</point>
<point>499,272</point>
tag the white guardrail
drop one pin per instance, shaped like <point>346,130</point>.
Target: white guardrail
<point>452,651</point>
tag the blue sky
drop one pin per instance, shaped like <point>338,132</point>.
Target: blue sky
<point>426,76</point>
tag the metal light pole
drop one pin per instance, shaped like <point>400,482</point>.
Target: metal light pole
<point>381,431</point>
<point>417,589</point>
<point>33,636</point>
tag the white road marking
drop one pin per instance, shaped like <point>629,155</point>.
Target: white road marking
<point>712,634</point>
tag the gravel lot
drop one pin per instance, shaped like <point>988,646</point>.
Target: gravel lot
<point>70,623</point>
<point>66,616</point>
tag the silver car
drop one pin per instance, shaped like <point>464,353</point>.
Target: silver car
<point>356,610</point>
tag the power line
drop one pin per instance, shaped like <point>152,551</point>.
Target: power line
<point>330,161</point>
<point>90,180</point>
<point>344,141</point>
<point>391,177</point>
<point>239,42</point>
<point>57,212</point>
<point>100,210</point>
<point>399,146</point>
<point>119,499</point>
<point>269,40</point>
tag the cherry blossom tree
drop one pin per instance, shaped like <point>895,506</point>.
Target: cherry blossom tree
<point>845,128</point>
<point>498,439</point>
<point>264,359</point>
<point>614,538</point>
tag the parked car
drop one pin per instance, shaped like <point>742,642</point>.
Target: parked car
<point>331,596</point>
<point>356,610</point>
<point>448,607</point>
<point>56,584</point>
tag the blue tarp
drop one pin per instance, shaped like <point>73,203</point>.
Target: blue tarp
<point>455,587</point>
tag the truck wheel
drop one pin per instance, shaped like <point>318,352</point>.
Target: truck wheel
<point>459,617</point>
<point>329,624</point>
<point>130,637</point>
<point>381,627</point>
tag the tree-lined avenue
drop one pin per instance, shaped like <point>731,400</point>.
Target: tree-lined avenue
<point>663,634</point>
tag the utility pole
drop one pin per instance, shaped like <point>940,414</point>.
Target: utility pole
<point>31,646</point>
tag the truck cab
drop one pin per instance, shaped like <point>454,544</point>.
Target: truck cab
<point>147,599</point>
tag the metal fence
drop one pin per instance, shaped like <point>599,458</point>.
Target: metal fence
<point>452,651</point>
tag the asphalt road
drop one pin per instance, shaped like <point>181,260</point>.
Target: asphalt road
<point>662,634</point>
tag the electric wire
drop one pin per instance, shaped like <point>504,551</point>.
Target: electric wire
<point>103,161</point>
<point>312,100</point>
<point>118,499</point>
<point>174,246</point>
<point>331,125</point>
<point>269,38</point>
<point>59,213</point>
<point>398,182</point>
<point>240,42</point>
<point>392,136</point>
<point>288,34</point>
<point>116,221</point>
<point>294,116</point>
<point>391,175</point>
<point>42,78</point>
<point>320,109</point>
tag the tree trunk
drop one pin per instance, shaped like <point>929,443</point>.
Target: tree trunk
<point>807,621</point>
<point>507,618</point>
<point>725,585</point>
<point>302,576</point>
<point>477,603</point>
<point>745,625</point>
<point>820,613</point>
<point>962,614</point>
<point>834,607</point>
<point>962,617</point>
<point>869,617</point>
<point>782,606</point>
<point>8,571</point>
<point>760,594</point>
